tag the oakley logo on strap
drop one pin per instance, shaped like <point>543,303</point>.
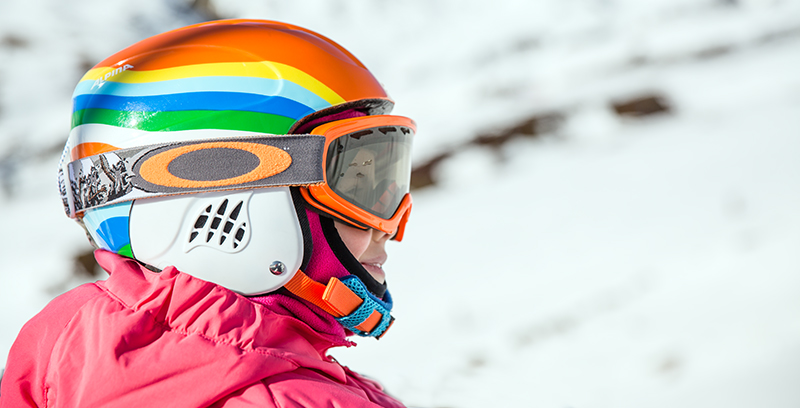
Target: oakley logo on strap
<point>188,166</point>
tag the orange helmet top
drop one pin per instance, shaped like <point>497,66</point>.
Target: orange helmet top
<point>247,75</point>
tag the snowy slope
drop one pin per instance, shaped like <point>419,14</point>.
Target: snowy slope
<point>610,262</point>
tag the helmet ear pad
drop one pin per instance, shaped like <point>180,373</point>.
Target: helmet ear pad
<point>208,235</point>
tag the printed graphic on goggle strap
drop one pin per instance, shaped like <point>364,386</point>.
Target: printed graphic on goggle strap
<point>193,167</point>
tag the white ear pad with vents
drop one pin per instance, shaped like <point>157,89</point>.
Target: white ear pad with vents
<point>228,238</point>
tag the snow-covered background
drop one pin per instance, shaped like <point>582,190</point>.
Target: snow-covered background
<point>572,248</point>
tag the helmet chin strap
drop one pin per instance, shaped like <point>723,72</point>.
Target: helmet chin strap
<point>348,301</point>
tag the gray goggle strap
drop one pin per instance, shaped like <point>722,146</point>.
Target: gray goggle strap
<point>191,167</point>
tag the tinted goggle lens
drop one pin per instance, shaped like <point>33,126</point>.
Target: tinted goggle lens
<point>371,169</point>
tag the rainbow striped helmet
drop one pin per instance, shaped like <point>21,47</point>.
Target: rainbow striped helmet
<point>231,92</point>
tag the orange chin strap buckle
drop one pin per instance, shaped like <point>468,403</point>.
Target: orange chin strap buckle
<point>348,301</point>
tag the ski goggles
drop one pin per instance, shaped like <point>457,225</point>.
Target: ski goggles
<point>357,169</point>
<point>367,172</point>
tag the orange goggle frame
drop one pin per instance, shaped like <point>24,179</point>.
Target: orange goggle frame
<point>325,199</point>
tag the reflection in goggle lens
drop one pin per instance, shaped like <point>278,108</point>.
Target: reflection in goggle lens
<point>372,168</point>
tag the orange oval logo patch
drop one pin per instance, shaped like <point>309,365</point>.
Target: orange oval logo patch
<point>272,161</point>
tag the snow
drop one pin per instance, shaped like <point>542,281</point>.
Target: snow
<point>612,262</point>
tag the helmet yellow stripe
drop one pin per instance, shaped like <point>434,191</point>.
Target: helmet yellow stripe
<point>262,69</point>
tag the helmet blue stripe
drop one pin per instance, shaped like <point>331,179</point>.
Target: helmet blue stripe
<point>190,101</point>
<point>251,85</point>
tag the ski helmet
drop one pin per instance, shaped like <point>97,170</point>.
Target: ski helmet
<point>195,148</point>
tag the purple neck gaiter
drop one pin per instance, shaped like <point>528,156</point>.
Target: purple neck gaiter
<point>321,267</point>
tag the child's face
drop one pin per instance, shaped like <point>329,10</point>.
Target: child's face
<point>367,247</point>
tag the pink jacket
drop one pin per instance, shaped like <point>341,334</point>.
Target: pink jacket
<point>168,339</point>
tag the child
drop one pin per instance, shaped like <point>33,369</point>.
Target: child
<point>240,179</point>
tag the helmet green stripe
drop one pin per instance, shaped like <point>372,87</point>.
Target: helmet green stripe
<point>186,120</point>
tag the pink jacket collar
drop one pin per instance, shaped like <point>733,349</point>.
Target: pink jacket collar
<point>193,306</point>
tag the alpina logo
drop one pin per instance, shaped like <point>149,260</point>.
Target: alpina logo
<point>111,73</point>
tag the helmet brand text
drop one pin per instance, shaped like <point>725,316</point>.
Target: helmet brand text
<point>112,73</point>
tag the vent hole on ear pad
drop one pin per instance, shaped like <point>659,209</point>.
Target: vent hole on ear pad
<point>224,223</point>
<point>235,212</point>
<point>201,220</point>
<point>222,207</point>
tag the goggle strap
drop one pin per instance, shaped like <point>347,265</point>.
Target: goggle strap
<point>148,171</point>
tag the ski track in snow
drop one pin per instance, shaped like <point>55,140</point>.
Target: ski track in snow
<point>611,262</point>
